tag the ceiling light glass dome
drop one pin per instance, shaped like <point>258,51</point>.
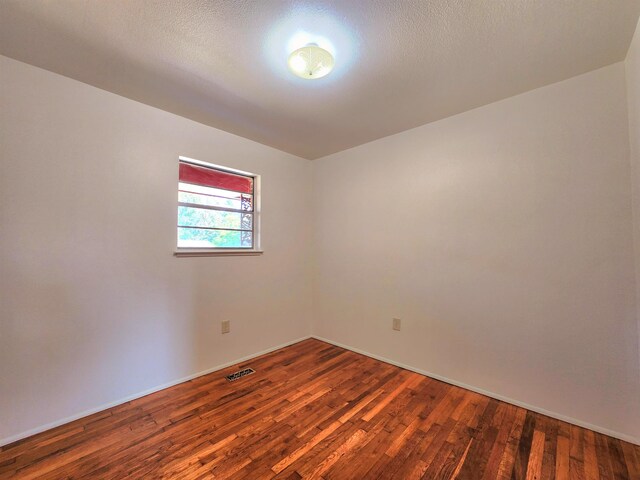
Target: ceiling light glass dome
<point>311,62</point>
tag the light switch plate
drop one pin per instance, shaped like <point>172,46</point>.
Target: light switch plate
<point>226,326</point>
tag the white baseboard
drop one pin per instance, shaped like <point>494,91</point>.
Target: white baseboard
<point>533,408</point>
<point>62,421</point>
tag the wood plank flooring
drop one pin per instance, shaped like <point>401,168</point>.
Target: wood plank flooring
<point>313,410</point>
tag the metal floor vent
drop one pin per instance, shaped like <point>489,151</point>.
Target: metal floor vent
<point>239,374</point>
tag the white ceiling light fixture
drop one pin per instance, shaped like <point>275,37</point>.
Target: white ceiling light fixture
<point>311,62</point>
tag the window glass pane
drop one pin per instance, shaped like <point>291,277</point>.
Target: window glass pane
<point>188,197</point>
<point>200,238</point>
<point>189,187</point>
<point>216,208</point>
<point>200,217</point>
<point>217,192</point>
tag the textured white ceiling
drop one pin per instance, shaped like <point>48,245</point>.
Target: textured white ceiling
<point>399,64</point>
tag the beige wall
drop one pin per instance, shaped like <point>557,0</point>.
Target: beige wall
<point>93,305</point>
<point>502,237</point>
<point>632,68</point>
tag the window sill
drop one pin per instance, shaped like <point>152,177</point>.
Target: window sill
<point>186,252</point>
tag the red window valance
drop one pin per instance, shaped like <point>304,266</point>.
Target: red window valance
<point>210,177</point>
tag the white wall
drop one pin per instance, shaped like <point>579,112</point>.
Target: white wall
<point>502,237</point>
<point>93,305</point>
<point>632,68</point>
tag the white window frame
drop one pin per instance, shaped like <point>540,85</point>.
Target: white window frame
<point>224,252</point>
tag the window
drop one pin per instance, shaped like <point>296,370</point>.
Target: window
<point>217,209</point>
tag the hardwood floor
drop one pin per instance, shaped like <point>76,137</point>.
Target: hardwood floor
<point>313,410</point>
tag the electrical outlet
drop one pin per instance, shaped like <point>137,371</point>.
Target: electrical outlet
<point>226,326</point>
<point>396,324</point>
